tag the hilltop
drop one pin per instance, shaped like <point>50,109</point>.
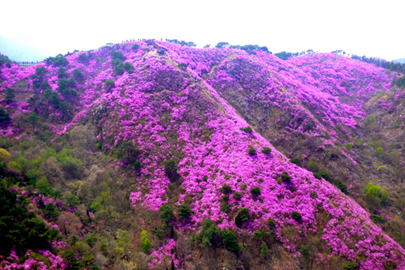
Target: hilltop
<point>153,155</point>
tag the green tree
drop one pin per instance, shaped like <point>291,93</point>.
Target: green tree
<point>145,242</point>
<point>171,171</point>
<point>166,213</point>
<point>10,95</point>
<point>242,216</point>
<point>230,241</point>
<point>264,250</point>
<point>184,212</point>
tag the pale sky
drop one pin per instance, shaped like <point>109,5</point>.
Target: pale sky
<point>372,28</point>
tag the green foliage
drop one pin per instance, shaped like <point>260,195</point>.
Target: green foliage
<point>51,211</point>
<point>313,166</point>
<point>71,200</point>
<point>286,178</point>
<point>377,218</point>
<point>205,178</point>
<point>373,202</point>
<point>322,174</point>
<point>305,252</point>
<point>230,241</point>
<point>108,85</point>
<point>296,161</point>
<point>266,150</point>
<point>247,130</point>
<point>57,61</point>
<point>62,73</point>
<point>225,206</point>
<point>128,67</point>
<point>350,265</point>
<point>373,189</point>
<point>78,75</point>
<point>264,250</point>
<point>73,167</point>
<point>10,95</point>
<point>242,216</point>
<point>4,117</point>
<point>226,189</point>
<point>43,186</point>
<point>252,152</point>
<point>184,212</point>
<point>339,184</point>
<point>255,191</point>
<point>135,47</point>
<point>296,216</point>
<point>348,146</point>
<point>380,151</point>
<point>243,187</point>
<point>91,239</point>
<point>384,197</point>
<point>271,223</point>
<point>19,228</point>
<point>237,196</point>
<point>171,171</point>
<point>210,234</point>
<point>166,213</point>
<point>145,242</point>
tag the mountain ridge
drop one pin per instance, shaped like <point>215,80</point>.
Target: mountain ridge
<point>181,104</point>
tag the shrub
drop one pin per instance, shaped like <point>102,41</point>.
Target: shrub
<point>128,67</point>
<point>225,206</point>
<point>171,171</point>
<point>350,265</point>
<point>205,178</point>
<point>10,95</point>
<point>266,150</point>
<point>242,216</point>
<point>184,212</point>
<point>166,214</point>
<point>4,155</point>
<point>305,252</point>
<point>296,216</point>
<point>135,47</point>
<point>237,196</point>
<point>108,85</point>
<point>255,191</point>
<point>313,166</point>
<point>286,178</point>
<point>384,196</point>
<point>72,200</point>
<point>72,166</point>
<point>348,146</point>
<point>78,74</point>
<point>247,130</point>
<point>271,223</point>
<point>51,211</point>
<point>57,61</point>
<point>43,186</point>
<point>377,218</point>
<point>4,117</point>
<point>322,174</point>
<point>264,249</point>
<point>339,184</point>
<point>252,152</point>
<point>296,161</point>
<point>210,234</point>
<point>226,189</point>
<point>230,241</point>
<point>243,187</point>
<point>145,242</point>
<point>380,151</point>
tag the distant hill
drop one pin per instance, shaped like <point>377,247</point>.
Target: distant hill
<point>402,60</point>
<point>18,49</point>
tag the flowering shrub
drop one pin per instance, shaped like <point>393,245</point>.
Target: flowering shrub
<point>175,108</point>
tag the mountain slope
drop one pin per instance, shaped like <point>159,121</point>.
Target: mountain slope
<point>171,127</point>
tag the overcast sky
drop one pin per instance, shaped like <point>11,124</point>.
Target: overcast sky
<point>372,28</point>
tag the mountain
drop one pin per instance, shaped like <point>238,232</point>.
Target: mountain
<point>402,60</point>
<point>153,155</point>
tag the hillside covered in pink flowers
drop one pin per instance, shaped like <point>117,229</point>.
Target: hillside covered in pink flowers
<point>152,155</point>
